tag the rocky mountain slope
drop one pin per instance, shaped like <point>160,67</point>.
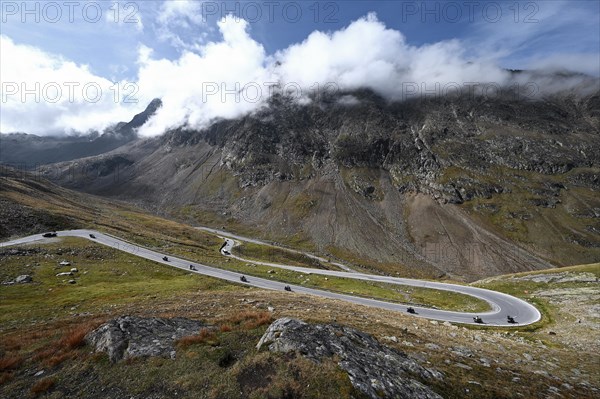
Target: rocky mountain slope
<point>459,186</point>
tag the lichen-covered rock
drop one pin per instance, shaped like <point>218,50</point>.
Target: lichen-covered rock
<point>129,336</point>
<point>374,369</point>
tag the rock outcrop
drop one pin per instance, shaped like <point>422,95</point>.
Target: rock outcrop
<point>374,369</point>
<point>131,337</point>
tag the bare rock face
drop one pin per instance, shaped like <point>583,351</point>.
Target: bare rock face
<point>130,337</point>
<point>374,369</point>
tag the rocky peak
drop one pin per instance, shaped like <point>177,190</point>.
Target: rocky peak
<point>143,117</point>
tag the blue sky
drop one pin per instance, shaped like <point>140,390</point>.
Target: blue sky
<point>148,42</point>
<point>531,30</point>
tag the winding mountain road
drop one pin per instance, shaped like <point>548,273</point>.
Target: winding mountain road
<point>501,304</point>
<point>226,234</point>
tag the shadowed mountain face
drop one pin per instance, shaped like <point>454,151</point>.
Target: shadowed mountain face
<point>27,151</point>
<point>460,186</point>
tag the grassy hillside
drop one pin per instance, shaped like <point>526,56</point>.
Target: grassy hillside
<point>179,239</point>
<point>107,280</point>
<point>43,324</point>
<point>56,316</point>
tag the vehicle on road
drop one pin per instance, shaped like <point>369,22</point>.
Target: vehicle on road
<point>226,253</point>
<point>411,310</point>
<point>503,304</point>
<point>192,267</point>
<point>92,236</point>
<point>511,320</point>
<point>243,279</point>
<point>49,235</point>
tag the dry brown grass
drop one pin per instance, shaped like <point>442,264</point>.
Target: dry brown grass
<point>5,377</point>
<point>43,386</point>
<point>23,340</point>
<point>75,337</point>
<point>55,343</point>
<point>205,335</point>
<point>44,353</point>
<point>12,343</point>
<point>10,362</point>
<point>248,319</point>
<point>57,340</point>
<point>63,349</point>
<point>225,328</point>
<point>57,359</point>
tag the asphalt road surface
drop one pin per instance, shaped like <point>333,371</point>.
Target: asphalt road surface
<point>255,241</point>
<point>501,304</point>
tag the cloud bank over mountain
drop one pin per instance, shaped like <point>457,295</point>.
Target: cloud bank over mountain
<point>235,76</point>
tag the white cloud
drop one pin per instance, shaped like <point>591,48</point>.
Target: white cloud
<point>576,62</point>
<point>231,77</point>
<point>43,93</point>
<point>367,54</point>
<point>185,85</point>
<point>181,18</point>
<point>181,12</point>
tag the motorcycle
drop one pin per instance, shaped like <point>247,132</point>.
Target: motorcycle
<point>288,288</point>
<point>478,320</point>
<point>411,310</point>
<point>243,279</point>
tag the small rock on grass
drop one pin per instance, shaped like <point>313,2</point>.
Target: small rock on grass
<point>24,279</point>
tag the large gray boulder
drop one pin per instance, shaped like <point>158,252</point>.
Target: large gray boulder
<point>130,337</point>
<point>374,369</point>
